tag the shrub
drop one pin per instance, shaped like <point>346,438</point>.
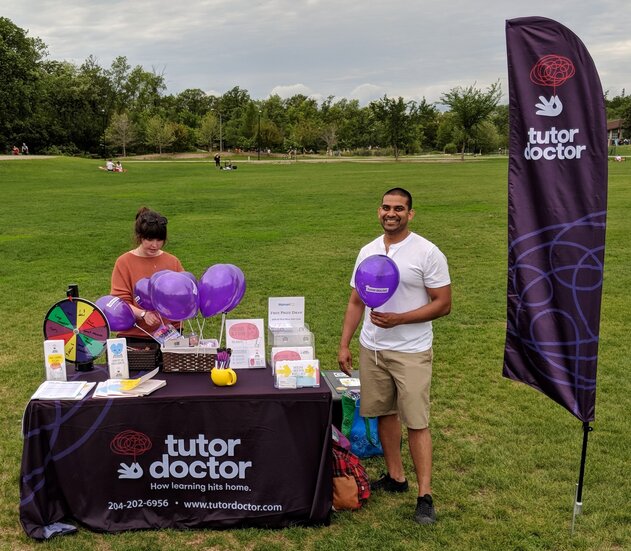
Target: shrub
<point>451,149</point>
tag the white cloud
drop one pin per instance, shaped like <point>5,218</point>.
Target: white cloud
<point>365,93</point>
<point>287,91</point>
<point>345,49</point>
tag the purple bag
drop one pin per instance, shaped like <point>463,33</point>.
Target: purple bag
<point>339,438</point>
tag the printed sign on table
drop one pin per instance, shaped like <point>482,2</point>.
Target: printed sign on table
<point>246,339</point>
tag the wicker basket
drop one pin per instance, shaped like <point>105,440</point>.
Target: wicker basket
<point>143,356</point>
<point>196,360</point>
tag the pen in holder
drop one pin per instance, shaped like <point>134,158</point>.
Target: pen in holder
<point>222,374</point>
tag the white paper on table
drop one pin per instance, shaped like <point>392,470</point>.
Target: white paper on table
<point>62,390</point>
<point>246,340</point>
<point>286,312</point>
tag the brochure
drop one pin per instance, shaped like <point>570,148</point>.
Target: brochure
<point>62,390</point>
<point>111,389</point>
<point>129,387</point>
<point>297,374</point>
<point>246,340</point>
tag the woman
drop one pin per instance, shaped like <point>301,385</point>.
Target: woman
<point>145,260</point>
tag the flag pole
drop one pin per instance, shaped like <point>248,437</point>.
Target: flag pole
<point>578,501</point>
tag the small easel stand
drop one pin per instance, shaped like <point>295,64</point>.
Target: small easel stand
<point>578,501</point>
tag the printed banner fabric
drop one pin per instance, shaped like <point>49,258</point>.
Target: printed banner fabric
<point>190,455</point>
<point>557,201</point>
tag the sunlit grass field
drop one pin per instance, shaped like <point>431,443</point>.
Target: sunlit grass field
<point>506,458</point>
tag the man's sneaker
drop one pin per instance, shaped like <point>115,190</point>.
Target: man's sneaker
<point>425,513</point>
<point>388,484</point>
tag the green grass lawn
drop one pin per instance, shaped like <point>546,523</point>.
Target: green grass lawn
<point>506,458</point>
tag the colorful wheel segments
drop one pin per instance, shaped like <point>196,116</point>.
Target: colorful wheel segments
<point>82,327</point>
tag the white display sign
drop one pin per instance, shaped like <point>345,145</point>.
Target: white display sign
<point>55,360</point>
<point>286,312</point>
<point>297,374</point>
<point>280,353</point>
<point>117,358</point>
<point>247,341</point>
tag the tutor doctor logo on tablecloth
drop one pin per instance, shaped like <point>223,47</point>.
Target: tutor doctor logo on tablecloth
<point>197,458</point>
<point>553,142</point>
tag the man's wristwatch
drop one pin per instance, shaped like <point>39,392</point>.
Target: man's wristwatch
<point>143,314</point>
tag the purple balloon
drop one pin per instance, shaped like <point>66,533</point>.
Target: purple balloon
<point>190,276</point>
<point>376,280</point>
<point>118,313</point>
<point>238,295</point>
<point>218,288</point>
<point>175,296</point>
<point>155,276</point>
<point>142,294</point>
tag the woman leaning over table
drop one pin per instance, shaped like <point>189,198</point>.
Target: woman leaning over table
<point>146,259</point>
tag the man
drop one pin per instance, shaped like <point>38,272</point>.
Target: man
<point>395,359</point>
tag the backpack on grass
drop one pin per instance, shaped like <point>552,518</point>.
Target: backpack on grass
<point>351,486</point>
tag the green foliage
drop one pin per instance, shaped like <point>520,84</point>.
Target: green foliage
<point>121,132</point>
<point>160,133</point>
<point>506,457</point>
<point>395,123</point>
<point>470,107</point>
<point>20,72</point>
<point>208,131</point>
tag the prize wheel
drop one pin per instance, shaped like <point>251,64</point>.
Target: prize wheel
<point>81,325</point>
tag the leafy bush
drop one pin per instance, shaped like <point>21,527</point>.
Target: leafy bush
<point>451,149</point>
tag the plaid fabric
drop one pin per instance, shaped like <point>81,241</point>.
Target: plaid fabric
<point>346,463</point>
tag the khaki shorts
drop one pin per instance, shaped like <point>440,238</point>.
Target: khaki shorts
<point>398,383</point>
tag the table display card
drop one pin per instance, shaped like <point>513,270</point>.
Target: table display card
<point>286,312</point>
<point>247,341</point>
<point>117,360</point>
<point>297,374</point>
<point>55,360</point>
<point>280,353</point>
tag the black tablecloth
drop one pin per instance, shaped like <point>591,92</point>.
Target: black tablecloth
<point>189,455</point>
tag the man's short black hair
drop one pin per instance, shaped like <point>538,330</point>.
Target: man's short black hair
<point>402,192</point>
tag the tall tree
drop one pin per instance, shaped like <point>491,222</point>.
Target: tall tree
<point>120,132</point>
<point>395,121</point>
<point>208,131</point>
<point>159,133</point>
<point>20,72</point>
<point>470,107</point>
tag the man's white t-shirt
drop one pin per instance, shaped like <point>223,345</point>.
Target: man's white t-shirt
<point>421,265</point>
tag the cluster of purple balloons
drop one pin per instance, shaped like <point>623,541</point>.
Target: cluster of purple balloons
<point>376,280</point>
<point>178,296</point>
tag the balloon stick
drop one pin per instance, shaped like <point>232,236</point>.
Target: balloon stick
<point>147,333</point>
<point>223,321</point>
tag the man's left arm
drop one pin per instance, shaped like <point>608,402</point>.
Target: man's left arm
<point>439,305</point>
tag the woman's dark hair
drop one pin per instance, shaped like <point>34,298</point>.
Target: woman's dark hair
<point>150,225</point>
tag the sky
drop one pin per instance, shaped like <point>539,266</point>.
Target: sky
<point>343,48</point>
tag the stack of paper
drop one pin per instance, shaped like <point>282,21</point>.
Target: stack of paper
<point>62,390</point>
<point>129,387</point>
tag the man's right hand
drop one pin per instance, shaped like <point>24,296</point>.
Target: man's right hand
<point>345,359</point>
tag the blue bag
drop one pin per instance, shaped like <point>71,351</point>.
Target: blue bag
<point>364,436</point>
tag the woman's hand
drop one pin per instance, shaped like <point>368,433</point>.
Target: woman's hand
<point>151,319</point>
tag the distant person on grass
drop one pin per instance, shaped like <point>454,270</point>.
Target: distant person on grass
<point>395,359</point>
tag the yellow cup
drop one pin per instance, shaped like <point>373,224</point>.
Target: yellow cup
<point>223,377</point>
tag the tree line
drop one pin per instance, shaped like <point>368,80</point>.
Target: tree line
<point>63,108</point>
